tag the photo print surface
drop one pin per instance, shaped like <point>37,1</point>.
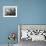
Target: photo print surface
<point>9,11</point>
<point>33,32</point>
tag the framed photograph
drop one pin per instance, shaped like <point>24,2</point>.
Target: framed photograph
<point>9,11</point>
<point>33,32</point>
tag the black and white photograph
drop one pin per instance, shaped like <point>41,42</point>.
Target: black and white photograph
<point>28,34</point>
<point>9,11</point>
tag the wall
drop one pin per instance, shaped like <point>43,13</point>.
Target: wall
<point>29,12</point>
<point>7,25</point>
